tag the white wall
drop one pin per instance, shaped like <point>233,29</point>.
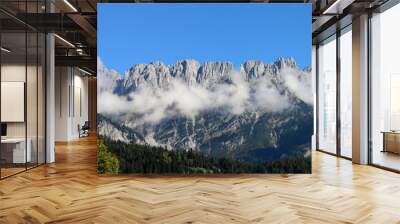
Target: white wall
<point>61,103</point>
<point>70,84</point>
<point>81,89</point>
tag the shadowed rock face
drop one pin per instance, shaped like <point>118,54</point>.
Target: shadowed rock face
<point>254,135</point>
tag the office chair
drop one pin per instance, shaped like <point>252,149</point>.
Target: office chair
<point>84,130</point>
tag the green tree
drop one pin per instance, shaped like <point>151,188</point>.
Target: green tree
<point>106,161</point>
<point>139,158</point>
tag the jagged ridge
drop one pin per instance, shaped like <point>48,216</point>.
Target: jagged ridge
<point>157,74</point>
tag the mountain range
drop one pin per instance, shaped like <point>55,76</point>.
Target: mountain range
<point>255,113</point>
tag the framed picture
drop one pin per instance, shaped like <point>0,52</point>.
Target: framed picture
<point>204,88</point>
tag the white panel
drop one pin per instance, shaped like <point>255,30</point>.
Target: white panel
<point>346,94</point>
<point>395,102</point>
<point>327,96</point>
<point>12,101</point>
<point>76,120</point>
<point>77,101</point>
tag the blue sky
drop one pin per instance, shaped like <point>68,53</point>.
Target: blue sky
<point>129,34</point>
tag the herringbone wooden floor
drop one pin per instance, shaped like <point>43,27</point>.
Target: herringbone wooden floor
<point>70,191</point>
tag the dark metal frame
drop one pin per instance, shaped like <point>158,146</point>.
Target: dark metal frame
<point>317,97</point>
<point>369,98</point>
<point>26,88</point>
<point>338,34</point>
<point>45,89</point>
<point>338,76</point>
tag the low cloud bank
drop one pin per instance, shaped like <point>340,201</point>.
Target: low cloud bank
<point>150,105</point>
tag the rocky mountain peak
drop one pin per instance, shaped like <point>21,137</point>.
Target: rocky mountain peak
<point>285,62</point>
<point>211,72</point>
<point>253,69</point>
<point>159,75</point>
<point>185,70</point>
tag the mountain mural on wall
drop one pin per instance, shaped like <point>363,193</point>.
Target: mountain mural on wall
<point>256,114</point>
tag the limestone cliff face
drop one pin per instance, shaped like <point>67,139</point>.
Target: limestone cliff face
<point>158,75</point>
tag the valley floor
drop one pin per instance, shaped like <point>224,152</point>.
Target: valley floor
<point>70,191</point>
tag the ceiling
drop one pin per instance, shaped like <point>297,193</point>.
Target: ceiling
<point>75,22</point>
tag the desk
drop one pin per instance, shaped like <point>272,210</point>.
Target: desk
<point>15,148</point>
<point>391,141</point>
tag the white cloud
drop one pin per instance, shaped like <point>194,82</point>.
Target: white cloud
<point>105,77</point>
<point>268,98</point>
<point>110,103</point>
<point>150,105</point>
<point>298,82</point>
